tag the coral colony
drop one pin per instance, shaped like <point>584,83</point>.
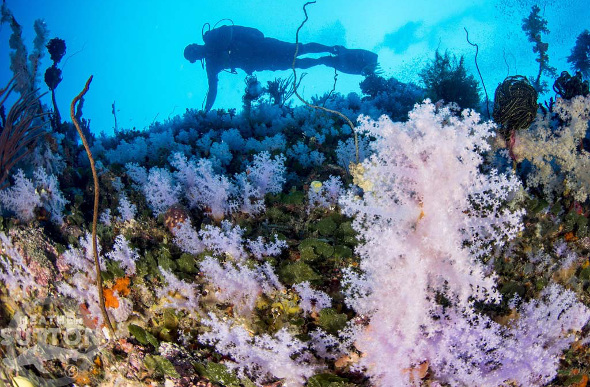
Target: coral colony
<point>252,248</point>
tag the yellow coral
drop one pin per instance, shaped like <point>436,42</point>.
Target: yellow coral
<point>357,171</point>
<point>316,186</point>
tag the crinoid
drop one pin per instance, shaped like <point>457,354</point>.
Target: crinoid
<point>515,104</point>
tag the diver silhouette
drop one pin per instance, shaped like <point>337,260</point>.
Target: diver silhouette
<point>231,47</point>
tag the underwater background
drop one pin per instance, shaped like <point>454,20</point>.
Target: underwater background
<point>379,217</point>
<point>134,49</point>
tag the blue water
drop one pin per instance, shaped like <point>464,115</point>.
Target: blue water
<point>134,49</point>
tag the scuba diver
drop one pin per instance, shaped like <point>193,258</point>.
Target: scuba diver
<point>231,47</point>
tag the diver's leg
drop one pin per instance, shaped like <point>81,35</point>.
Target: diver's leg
<point>356,62</point>
<point>314,48</point>
<point>306,63</point>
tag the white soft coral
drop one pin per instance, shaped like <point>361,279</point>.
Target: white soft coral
<point>426,205</point>
<point>261,357</point>
<point>554,148</point>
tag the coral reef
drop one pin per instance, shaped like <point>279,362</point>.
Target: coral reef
<point>286,246</point>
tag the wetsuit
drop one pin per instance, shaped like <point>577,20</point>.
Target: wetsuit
<point>231,47</point>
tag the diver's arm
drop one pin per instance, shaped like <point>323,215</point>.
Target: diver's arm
<point>212,93</point>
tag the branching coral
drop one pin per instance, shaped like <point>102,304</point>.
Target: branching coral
<point>15,274</point>
<point>553,147</point>
<point>25,69</point>
<point>391,96</point>
<point>580,55</point>
<point>446,78</point>
<point>24,197</point>
<point>534,25</point>
<point>281,90</point>
<point>263,357</point>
